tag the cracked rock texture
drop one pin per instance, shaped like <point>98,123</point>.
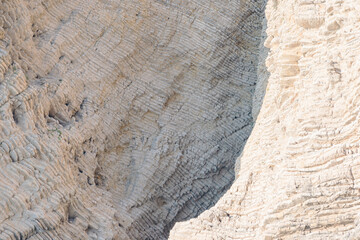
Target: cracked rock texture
<point>299,173</point>
<point>119,118</point>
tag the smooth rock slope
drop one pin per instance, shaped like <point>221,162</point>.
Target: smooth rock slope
<point>121,117</point>
<point>299,173</point>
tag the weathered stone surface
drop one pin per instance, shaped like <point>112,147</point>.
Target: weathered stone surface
<point>298,176</point>
<point>121,117</point>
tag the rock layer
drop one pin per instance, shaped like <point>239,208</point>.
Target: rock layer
<point>298,176</point>
<point>119,118</point>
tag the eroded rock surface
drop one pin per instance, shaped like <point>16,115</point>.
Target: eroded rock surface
<point>121,117</point>
<point>298,176</point>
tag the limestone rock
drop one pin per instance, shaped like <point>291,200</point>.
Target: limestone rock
<point>298,176</point>
<point>120,118</point>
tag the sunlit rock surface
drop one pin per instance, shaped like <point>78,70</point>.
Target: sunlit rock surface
<point>299,174</point>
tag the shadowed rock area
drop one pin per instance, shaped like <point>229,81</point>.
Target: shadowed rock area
<point>119,118</point>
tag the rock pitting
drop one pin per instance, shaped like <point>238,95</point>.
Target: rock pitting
<point>120,118</point>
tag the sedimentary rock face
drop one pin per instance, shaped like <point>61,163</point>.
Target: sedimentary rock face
<point>299,174</point>
<point>119,118</point>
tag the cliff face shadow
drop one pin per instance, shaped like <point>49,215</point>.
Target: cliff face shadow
<point>202,127</point>
<point>144,106</point>
<point>254,79</point>
<point>244,51</point>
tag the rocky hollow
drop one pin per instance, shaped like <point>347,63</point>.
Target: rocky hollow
<point>120,118</point>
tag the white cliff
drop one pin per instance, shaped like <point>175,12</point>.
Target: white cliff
<point>299,173</point>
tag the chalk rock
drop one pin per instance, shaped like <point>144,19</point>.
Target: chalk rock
<point>298,175</point>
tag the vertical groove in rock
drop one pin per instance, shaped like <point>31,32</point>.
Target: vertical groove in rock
<point>120,118</point>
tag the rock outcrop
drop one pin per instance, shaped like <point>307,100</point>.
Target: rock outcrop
<point>299,174</point>
<point>120,118</point>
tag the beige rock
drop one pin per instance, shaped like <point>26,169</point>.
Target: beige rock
<point>298,177</point>
<point>120,118</point>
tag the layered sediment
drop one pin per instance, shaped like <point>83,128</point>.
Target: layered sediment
<point>120,118</point>
<point>298,176</point>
